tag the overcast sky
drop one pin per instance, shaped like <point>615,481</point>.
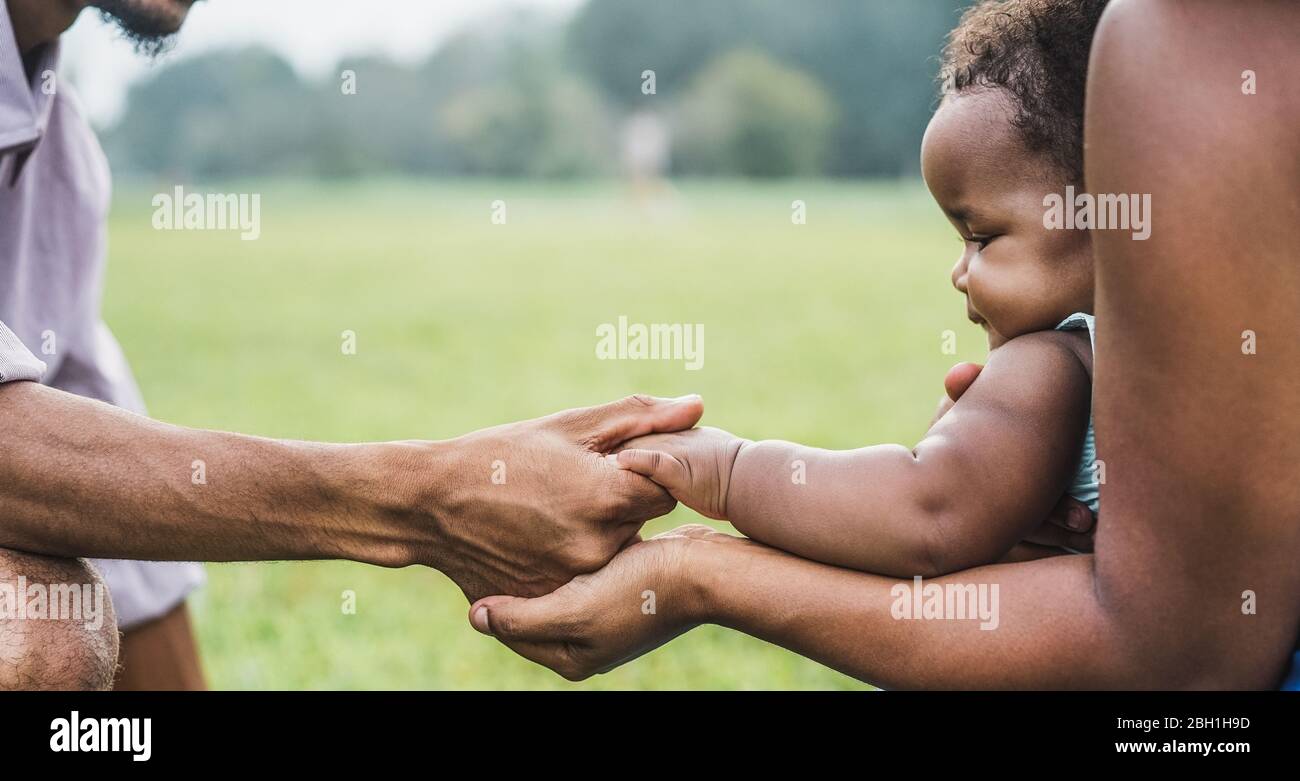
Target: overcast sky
<point>313,35</point>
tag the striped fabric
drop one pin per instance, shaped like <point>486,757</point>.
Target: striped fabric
<point>16,361</point>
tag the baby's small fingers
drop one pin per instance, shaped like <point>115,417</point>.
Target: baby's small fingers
<point>656,465</point>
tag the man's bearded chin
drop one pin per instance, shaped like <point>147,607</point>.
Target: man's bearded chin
<point>150,25</point>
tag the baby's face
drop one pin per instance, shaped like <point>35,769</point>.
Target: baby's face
<point>1018,276</point>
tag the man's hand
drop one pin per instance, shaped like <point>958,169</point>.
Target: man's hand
<point>639,601</point>
<point>522,508</point>
<point>1071,524</point>
<point>693,466</point>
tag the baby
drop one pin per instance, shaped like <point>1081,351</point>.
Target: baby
<point>1008,133</point>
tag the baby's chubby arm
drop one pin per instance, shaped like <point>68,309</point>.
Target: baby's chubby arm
<point>983,477</point>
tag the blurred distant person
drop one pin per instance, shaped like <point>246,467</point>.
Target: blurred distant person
<point>646,152</point>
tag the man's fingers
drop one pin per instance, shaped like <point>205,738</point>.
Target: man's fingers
<point>637,499</point>
<point>650,442</point>
<point>656,465</point>
<point>604,427</point>
<point>960,378</point>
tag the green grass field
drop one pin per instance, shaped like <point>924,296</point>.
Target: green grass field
<point>827,333</point>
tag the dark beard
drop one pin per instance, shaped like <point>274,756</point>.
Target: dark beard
<point>150,33</point>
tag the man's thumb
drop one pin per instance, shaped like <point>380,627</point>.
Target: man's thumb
<point>609,425</point>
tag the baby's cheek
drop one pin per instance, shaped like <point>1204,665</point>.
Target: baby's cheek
<point>1023,303</point>
<point>994,296</point>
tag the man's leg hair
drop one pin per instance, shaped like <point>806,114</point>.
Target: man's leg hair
<point>45,653</point>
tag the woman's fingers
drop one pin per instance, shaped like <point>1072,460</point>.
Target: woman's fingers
<point>955,383</point>
<point>533,628</point>
<point>960,378</point>
<point>1055,536</point>
<point>1071,524</point>
<point>1073,515</point>
<point>516,618</point>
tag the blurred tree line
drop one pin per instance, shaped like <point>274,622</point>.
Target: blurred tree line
<point>744,87</point>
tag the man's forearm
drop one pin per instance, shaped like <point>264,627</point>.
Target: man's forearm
<point>82,478</point>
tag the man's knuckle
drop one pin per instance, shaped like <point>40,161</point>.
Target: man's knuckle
<point>588,556</point>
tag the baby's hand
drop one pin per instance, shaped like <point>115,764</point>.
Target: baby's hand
<point>694,465</point>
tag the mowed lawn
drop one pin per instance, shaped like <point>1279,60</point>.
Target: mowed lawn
<point>828,333</point>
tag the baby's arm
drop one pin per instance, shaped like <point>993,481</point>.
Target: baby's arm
<point>985,475</point>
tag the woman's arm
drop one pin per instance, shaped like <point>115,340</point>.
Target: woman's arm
<point>1032,625</point>
<point>870,627</point>
<point>1029,625</point>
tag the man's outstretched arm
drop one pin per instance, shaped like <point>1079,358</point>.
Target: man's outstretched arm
<point>516,508</point>
<point>1193,583</point>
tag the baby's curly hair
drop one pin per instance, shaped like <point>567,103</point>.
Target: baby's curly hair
<point>1036,50</point>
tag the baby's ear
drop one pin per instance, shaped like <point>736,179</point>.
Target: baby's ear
<point>960,378</point>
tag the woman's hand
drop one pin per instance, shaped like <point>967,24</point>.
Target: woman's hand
<point>642,599</point>
<point>1071,524</point>
<point>955,383</point>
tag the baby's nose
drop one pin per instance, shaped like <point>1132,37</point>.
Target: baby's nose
<point>959,274</point>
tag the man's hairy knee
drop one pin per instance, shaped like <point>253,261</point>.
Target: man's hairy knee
<point>57,625</point>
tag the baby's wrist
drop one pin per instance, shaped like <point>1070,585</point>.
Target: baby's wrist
<point>732,466</point>
<point>757,469</point>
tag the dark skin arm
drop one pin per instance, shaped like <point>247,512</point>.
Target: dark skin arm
<point>836,616</point>
<point>82,478</point>
<point>984,476</point>
<point>1201,440</point>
